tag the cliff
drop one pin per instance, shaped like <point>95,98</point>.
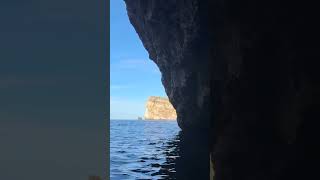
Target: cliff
<point>169,40</point>
<point>159,108</point>
<point>243,78</point>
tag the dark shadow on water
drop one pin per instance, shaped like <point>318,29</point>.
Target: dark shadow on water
<point>186,158</point>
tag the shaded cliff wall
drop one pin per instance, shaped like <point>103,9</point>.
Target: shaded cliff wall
<point>266,91</point>
<point>175,43</point>
<point>245,72</point>
<point>159,108</point>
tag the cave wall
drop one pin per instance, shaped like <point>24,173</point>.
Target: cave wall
<point>244,72</point>
<point>266,91</point>
<point>177,44</point>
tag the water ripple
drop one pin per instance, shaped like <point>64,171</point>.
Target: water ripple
<point>143,149</point>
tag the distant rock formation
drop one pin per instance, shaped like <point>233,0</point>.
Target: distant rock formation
<point>159,108</point>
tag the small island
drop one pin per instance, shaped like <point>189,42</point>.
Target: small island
<point>159,108</point>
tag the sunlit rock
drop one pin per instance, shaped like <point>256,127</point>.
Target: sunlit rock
<point>159,108</point>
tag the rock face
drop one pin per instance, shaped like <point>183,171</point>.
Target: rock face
<point>245,75</point>
<point>174,43</point>
<point>159,108</point>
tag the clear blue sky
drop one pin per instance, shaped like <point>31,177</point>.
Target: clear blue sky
<point>134,77</point>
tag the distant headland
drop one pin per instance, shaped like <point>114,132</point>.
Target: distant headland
<point>159,108</point>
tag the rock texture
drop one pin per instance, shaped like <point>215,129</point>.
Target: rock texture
<point>158,108</point>
<point>174,43</point>
<point>245,75</point>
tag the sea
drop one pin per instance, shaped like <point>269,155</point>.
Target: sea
<point>144,149</point>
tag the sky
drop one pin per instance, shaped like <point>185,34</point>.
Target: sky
<point>133,76</point>
<point>53,89</point>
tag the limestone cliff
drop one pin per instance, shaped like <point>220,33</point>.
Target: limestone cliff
<point>159,108</point>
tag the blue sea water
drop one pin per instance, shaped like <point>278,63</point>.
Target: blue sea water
<point>141,149</point>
